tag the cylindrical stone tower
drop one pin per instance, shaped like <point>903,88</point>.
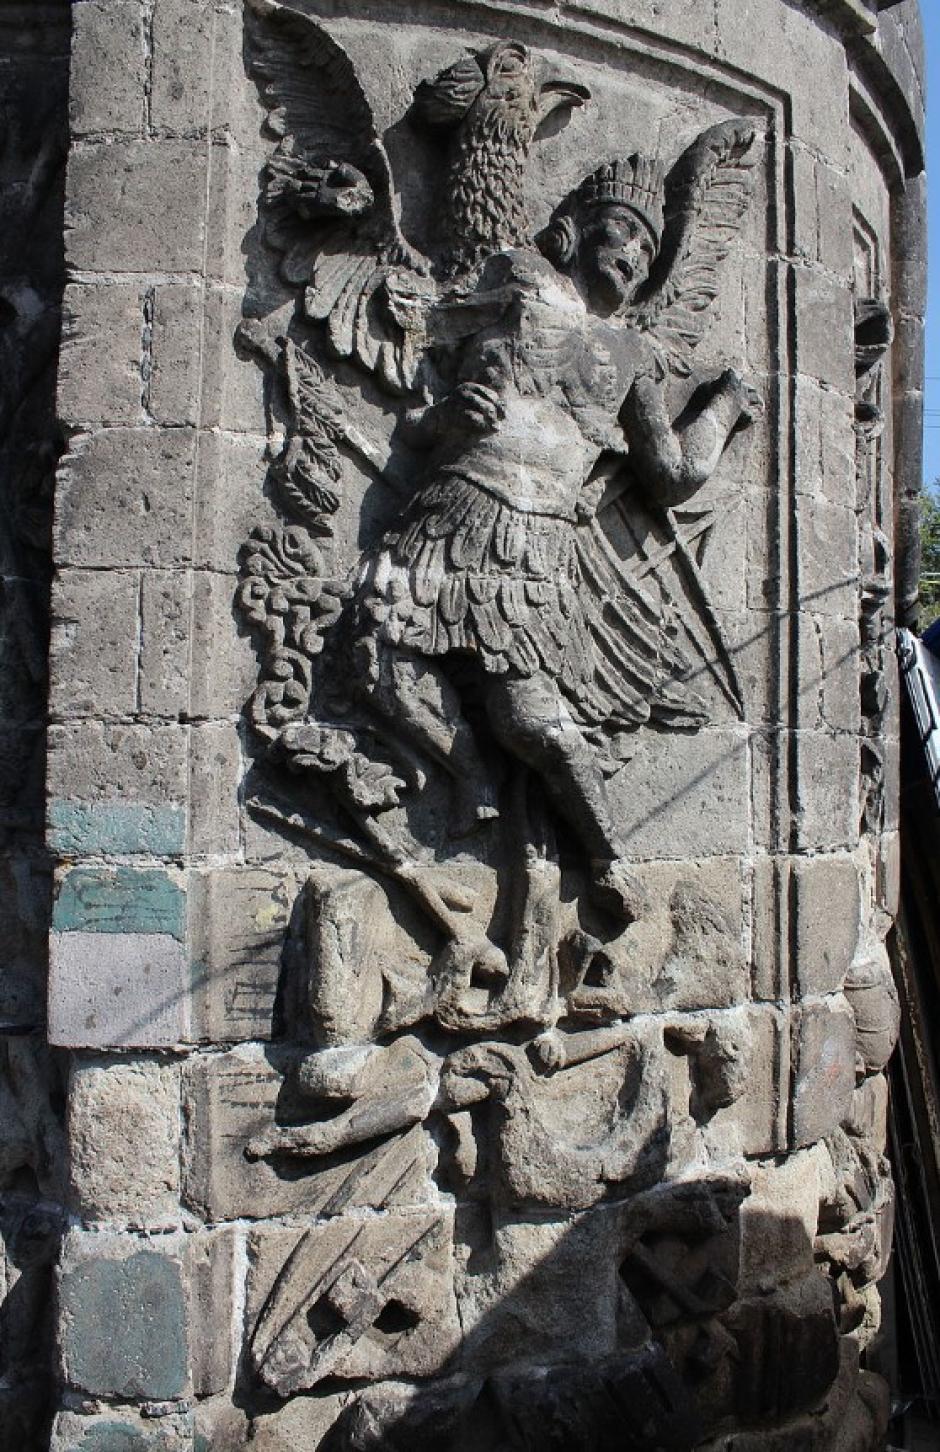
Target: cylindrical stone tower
<point>472,770</point>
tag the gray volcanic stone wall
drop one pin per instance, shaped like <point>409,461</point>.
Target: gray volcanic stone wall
<point>472,760</point>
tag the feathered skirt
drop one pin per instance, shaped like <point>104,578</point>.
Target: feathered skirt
<point>522,593</point>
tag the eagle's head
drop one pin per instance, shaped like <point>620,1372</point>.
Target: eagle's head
<point>506,78</point>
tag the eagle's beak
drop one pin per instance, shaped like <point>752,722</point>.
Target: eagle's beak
<point>556,93</point>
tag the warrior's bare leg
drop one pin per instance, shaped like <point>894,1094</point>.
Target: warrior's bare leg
<point>531,720</point>
<point>418,698</point>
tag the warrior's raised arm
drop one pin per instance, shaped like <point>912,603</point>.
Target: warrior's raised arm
<point>673,460</point>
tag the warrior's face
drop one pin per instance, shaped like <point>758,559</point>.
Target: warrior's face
<point>615,254</point>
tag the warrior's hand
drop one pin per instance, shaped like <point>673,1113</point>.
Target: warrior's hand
<point>475,406</point>
<point>742,394</point>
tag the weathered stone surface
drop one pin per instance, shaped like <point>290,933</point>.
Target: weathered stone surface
<point>108,39</point>
<point>824,1066</point>
<point>215,1266</point>
<point>778,1223</point>
<point>95,642</point>
<point>124,498</point>
<point>475,852</point>
<point>239,917</point>
<point>123,1126</point>
<point>362,1299</point>
<point>196,377</point>
<point>109,1282</point>
<point>215,769</point>
<point>257,1146</point>
<point>119,971</point>
<point>118,789</point>
<point>101,363</point>
<point>827,907</point>
<point>112,224</point>
<point>305,1421</point>
<point>120,1431</point>
<point>117,990</point>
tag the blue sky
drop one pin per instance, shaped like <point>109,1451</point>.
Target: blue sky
<point>931,13</point>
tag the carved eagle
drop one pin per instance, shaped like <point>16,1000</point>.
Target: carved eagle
<point>330,193</point>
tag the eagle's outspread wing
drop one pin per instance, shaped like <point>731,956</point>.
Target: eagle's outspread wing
<point>330,206</point>
<point>707,196</point>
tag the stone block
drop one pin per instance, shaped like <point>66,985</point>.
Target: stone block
<point>183,79</point>
<point>806,210</point>
<point>193,661</point>
<point>837,444</point>
<point>748,1116</point>
<point>231,500</point>
<point>177,380</point>
<point>789,1349</point>
<point>197,377</point>
<point>125,499</point>
<point>119,972</point>
<point>778,1223</point>
<point>123,1331</point>
<point>356,1299</point>
<point>364,962</point>
<point>130,765</point>
<point>868,1117</point>
<point>827,569</point>
<point>827,806</point>
<point>121,1430</point>
<point>303,1422</point>
<point>510,1279</point>
<point>763,568</point>
<point>117,990</point>
<point>239,917</point>
<point>214,1263</point>
<point>232,208</point>
<point>685,953</point>
<point>203,88</point>
<point>166,603</point>
<point>224,668</point>
<point>219,1424</point>
<point>101,362</point>
<point>888,875</point>
<point>215,775</point>
<point>829,695</point>
<point>109,68</point>
<point>684,789</point>
<point>834,225</point>
<point>826,902</point>
<point>244,1160</point>
<point>825,329</point>
<point>94,643</point>
<point>753,637</point>
<point>769,920</point>
<point>113,220</point>
<point>124,1127</point>
<point>824,1068</point>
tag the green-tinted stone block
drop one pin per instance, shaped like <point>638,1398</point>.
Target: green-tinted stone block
<point>120,900</point>
<point>122,828</point>
<point>124,1329</point>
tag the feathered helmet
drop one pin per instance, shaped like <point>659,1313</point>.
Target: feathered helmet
<point>636,182</point>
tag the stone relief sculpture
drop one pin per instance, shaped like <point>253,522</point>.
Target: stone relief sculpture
<point>484,1005</point>
<point>494,612</point>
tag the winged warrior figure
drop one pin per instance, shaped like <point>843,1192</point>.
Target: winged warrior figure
<point>531,383</point>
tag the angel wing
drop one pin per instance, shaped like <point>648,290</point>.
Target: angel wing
<point>707,196</point>
<point>330,198</point>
